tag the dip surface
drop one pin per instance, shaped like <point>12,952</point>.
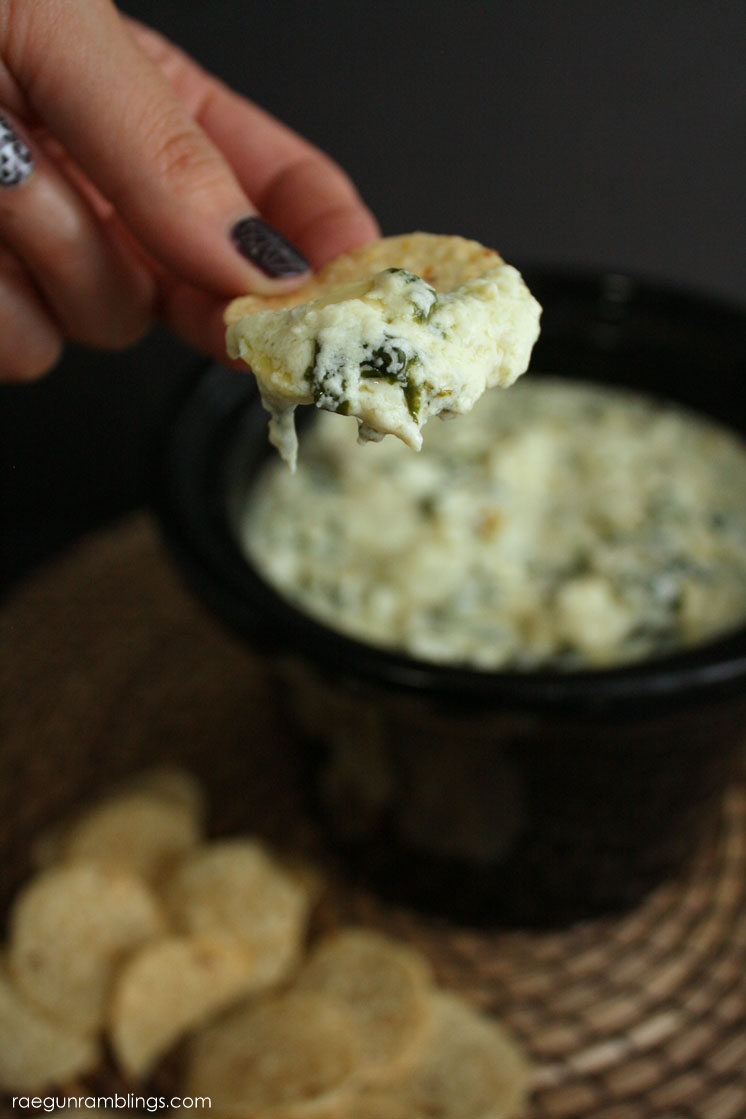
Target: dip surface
<point>558,525</point>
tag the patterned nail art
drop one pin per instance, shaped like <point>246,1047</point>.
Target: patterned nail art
<point>266,248</point>
<point>15,158</point>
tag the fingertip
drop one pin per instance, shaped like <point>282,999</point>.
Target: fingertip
<point>318,206</point>
<point>34,360</point>
<point>196,316</point>
<point>124,333</point>
<point>32,341</point>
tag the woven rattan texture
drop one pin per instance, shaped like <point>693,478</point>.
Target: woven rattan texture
<point>109,665</point>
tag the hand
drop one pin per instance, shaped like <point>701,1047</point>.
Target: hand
<point>130,184</point>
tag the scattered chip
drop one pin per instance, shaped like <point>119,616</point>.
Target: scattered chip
<point>142,832</point>
<point>383,985</point>
<point>69,929</point>
<point>469,1069</point>
<point>170,987</point>
<point>35,1052</point>
<point>361,1033</point>
<point>444,262</point>
<point>235,888</point>
<point>293,1052</point>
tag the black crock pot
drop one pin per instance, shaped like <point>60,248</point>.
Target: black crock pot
<point>532,797</point>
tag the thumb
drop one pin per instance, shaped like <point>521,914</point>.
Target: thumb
<point>119,118</point>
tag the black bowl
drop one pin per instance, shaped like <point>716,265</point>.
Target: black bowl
<point>533,797</point>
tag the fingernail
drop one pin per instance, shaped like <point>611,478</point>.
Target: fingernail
<point>16,162</point>
<point>266,248</point>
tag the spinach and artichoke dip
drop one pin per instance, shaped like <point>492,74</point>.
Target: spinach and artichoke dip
<point>390,349</point>
<point>562,525</point>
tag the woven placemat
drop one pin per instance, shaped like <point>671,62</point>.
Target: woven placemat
<point>109,665</point>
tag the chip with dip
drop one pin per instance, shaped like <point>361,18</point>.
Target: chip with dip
<point>391,333</point>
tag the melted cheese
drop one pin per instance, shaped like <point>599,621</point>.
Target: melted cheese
<point>563,525</point>
<point>390,351</point>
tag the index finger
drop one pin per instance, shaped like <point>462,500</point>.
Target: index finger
<point>293,184</point>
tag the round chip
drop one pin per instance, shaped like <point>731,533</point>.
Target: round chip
<point>172,784</point>
<point>444,262</point>
<point>91,1113</point>
<point>377,1105</point>
<point>308,876</point>
<point>289,1054</point>
<point>70,927</point>
<point>334,1106</point>
<point>234,888</point>
<point>141,831</point>
<point>46,848</point>
<point>383,985</point>
<point>168,988</point>
<point>168,784</point>
<point>35,1052</point>
<point>469,1069</point>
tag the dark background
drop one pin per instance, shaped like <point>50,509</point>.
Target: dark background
<point>584,133</point>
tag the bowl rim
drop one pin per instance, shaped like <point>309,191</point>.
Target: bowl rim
<point>192,508</point>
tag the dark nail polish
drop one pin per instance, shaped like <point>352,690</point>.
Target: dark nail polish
<point>15,158</point>
<point>266,248</point>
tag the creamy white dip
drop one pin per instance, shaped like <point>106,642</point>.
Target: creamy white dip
<point>389,350</point>
<point>562,525</point>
